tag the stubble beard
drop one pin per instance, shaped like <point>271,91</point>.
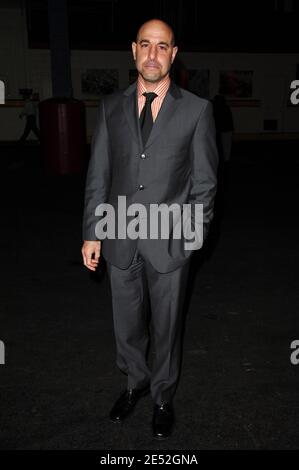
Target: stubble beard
<point>153,78</point>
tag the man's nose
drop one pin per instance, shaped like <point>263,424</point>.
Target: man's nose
<point>152,52</point>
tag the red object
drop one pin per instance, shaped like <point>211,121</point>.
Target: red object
<point>63,135</point>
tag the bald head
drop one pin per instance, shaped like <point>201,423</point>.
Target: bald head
<point>154,52</point>
<point>156,24</point>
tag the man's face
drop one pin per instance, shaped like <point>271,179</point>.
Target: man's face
<point>153,51</point>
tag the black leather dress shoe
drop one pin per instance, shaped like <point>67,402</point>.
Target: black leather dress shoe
<point>163,420</point>
<point>125,404</point>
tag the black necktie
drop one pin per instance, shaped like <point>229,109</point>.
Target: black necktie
<point>146,117</point>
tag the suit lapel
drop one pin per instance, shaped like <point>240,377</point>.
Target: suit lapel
<point>167,110</point>
<point>130,107</point>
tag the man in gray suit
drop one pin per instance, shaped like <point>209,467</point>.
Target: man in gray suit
<point>154,143</point>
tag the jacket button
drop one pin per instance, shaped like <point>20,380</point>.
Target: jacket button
<point>140,187</point>
<point>142,156</point>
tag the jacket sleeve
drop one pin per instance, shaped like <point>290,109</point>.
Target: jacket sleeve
<point>204,164</point>
<point>98,178</point>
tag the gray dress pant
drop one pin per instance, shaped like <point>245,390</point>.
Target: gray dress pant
<point>130,289</point>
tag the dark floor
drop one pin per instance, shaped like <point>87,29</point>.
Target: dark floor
<point>238,388</point>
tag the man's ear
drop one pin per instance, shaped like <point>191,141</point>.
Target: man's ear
<point>134,45</point>
<point>174,53</point>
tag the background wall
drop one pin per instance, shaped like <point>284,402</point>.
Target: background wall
<point>21,67</point>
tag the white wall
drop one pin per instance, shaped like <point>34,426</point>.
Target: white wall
<point>21,67</point>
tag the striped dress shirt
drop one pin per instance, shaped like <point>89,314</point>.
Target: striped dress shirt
<point>160,90</point>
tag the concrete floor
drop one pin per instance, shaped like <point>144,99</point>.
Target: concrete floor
<point>238,388</point>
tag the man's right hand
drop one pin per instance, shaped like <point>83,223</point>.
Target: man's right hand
<point>91,252</point>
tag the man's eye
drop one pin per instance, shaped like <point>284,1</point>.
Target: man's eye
<point>163,48</point>
<point>144,45</point>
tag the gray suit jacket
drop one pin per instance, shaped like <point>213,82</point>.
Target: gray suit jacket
<point>179,166</point>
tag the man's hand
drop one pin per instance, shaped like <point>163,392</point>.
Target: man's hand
<point>91,252</point>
